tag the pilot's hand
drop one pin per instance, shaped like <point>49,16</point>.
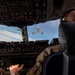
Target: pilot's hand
<point>15,68</point>
<point>33,70</point>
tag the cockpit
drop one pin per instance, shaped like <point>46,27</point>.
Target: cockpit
<point>26,28</point>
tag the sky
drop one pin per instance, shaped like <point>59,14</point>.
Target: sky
<point>49,30</point>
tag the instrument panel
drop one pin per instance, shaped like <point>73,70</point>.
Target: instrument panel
<point>22,47</point>
<point>12,53</point>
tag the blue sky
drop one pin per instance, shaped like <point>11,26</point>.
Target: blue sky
<point>49,29</point>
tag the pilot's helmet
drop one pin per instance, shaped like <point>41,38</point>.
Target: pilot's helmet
<point>67,35</point>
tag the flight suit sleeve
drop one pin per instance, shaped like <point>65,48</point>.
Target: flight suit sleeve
<point>45,53</point>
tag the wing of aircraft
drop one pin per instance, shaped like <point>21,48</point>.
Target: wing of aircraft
<point>37,30</point>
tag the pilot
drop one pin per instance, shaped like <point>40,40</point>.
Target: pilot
<point>37,68</point>
<point>69,16</point>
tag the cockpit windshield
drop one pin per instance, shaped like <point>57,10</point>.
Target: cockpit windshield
<point>10,33</point>
<point>41,31</point>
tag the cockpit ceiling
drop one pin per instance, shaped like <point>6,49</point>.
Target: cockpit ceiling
<point>58,8</point>
<point>28,12</point>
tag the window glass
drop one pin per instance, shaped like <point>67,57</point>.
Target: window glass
<point>9,33</point>
<point>41,31</point>
<point>44,31</point>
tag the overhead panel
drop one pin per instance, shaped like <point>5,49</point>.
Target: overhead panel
<point>28,12</point>
<point>22,12</point>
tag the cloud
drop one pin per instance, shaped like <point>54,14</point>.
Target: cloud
<point>9,36</point>
<point>30,39</point>
<point>54,23</point>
